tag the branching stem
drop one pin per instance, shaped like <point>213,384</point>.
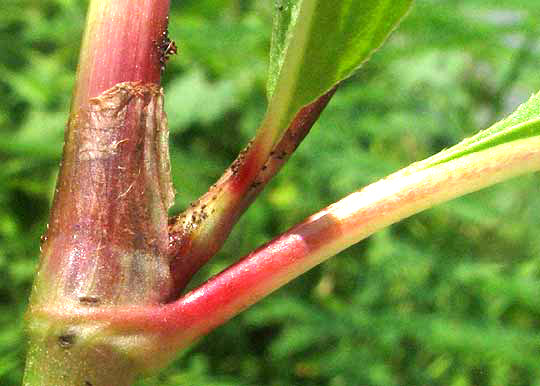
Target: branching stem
<point>199,232</point>
<point>319,237</point>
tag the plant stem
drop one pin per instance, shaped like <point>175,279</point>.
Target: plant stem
<point>107,241</point>
<point>319,237</point>
<point>200,231</point>
<point>335,228</point>
<point>120,44</point>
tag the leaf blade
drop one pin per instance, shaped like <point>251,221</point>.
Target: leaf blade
<point>323,44</point>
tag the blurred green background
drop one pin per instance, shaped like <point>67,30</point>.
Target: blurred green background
<point>448,297</point>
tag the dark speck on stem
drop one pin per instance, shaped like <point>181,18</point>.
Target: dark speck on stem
<point>66,340</point>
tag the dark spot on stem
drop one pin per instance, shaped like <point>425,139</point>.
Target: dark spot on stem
<point>89,300</point>
<point>66,340</point>
<point>282,155</point>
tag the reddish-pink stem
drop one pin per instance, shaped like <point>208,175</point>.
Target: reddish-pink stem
<point>121,44</point>
<point>106,209</point>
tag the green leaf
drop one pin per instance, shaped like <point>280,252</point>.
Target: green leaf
<point>281,33</point>
<point>522,123</point>
<point>318,43</point>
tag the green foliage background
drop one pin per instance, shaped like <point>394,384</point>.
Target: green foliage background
<point>448,297</point>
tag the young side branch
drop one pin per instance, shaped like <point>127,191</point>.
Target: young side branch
<point>198,233</point>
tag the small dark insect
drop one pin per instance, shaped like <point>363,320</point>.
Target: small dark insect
<point>167,48</point>
<point>171,49</point>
